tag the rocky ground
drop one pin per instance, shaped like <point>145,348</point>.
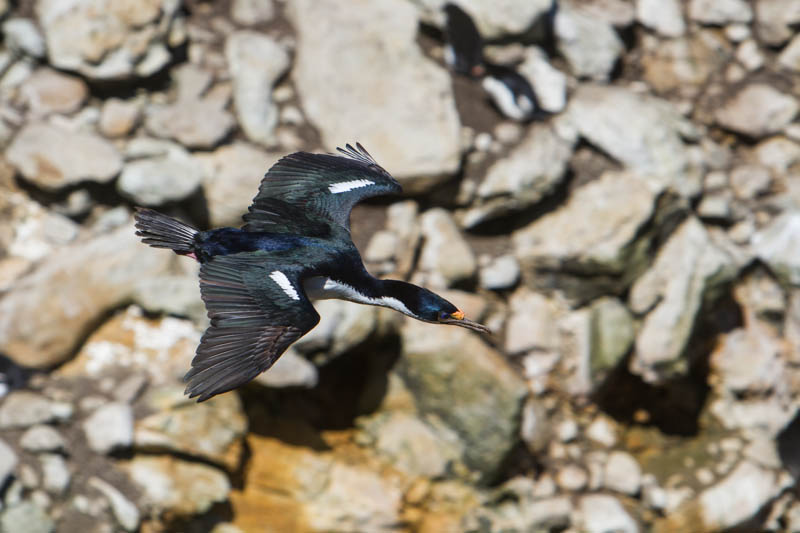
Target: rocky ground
<point>637,255</point>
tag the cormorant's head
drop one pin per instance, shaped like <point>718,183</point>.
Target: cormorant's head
<point>427,306</point>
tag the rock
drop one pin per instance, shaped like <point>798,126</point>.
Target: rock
<point>733,500</point>
<point>34,232</point>
<point>252,12</point>
<point>21,409</point>
<point>665,17</point>
<point>601,431</point>
<point>26,516</point>
<point>774,20</point>
<point>118,117</point>
<point>502,18</point>
<point>598,230</point>
<point>749,55</point>
<point>499,273</point>
<point>720,13</point>
<point>529,173</point>
<point>22,35</point>
<point>789,57</point>
<point>777,154</point>
<point>48,91</point>
<point>109,428</point>
<point>342,327</point>
<point>612,335</point>
<point>8,462</point>
<point>170,176</point>
<point>210,430</point>
<point>255,62</point>
<point>549,83</point>
<point>232,174</point>
<point>572,478</point>
<point>446,258</point>
<point>775,243</point>
<point>453,375</point>
<point>515,507</point>
<point>177,486</point>
<point>531,323</point>
<point>622,473</point>
<point>171,294</point>
<point>55,473</point>
<point>124,510</point>
<point>178,121</point>
<point>396,84</point>
<point>757,110</point>
<point>53,157</point>
<point>90,278</point>
<point>600,513</point>
<point>646,138</point>
<point>42,438</point>
<point>684,64</point>
<point>110,40</point>
<point>750,181</point>
<point>291,370</point>
<point>590,46</point>
<point>688,269</point>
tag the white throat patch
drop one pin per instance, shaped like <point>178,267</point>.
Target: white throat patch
<point>345,186</point>
<point>284,283</point>
<point>322,288</point>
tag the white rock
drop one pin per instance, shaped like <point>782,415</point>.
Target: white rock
<point>53,157</point>
<point>572,478</point>
<point>757,110</point>
<point>22,35</point>
<point>749,55</point>
<point>446,257</point>
<point>178,121</point>
<point>170,177</point>
<point>55,473</point>
<point>549,83</point>
<point>22,409</point>
<point>110,427</point>
<point>774,20</point>
<point>536,429</point>
<point>124,510</point>
<point>291,370</point>
<point>531,323</point>
<point>251,12</point>
<point>720,12</point>
<point>501,273</point>
<point>590,46</point>
<point>8,462</point>
<point>495,19</point>
<point>775,245</point>
<point>255,62</point>
<point>118,117</point>
<point>601,514</point>
<point>42,438</point>
<point>663,16</point>
<point>622,473</point>
<point>359,69</point>
<point>790,56</point>
<point>602,431</point>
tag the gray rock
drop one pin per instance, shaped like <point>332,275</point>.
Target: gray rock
<point>22,35</point>
<point>109,428</point>
<point>53,157</point>
<point>522,178</point>
<point>42,438</point>
<point>21,409</point>
<point>720,12</point>
<point>255,62</point>
<point>171,294</point>
<point>531,323</point>
<point>178,121</point>
<point>26,516</point>
<point>600,513</point>
<point>499,273</point>
<point>504,17</point>
<point>790,56</point>
<point>118,117</point>
<point>685,63</point>
<point>612,335</point>
<point>124,510</point>
<point>590,46</point>
<point>589,236</point>
<point>55,473</point>
<point>8,462</point>
<point>757,110</point>
<point>536,429</point>
<point>446,258</point>
<point>688,269</point>
<point>109,40</point>
<point>252,12</point>
<point>232,174</point>
<point>775,244</point>
<point>454,375</point>
<point>622,473</point>
<point>750,181</point>
<point>396,85</point>
<point>775,19</point>
<point>291,370</point>
<point>170,177</point>
<point>663,16</point>
<point>549,83</point>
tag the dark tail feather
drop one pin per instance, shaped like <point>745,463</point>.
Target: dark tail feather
<point>162,231</point>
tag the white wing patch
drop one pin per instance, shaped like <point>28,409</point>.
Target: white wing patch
<point>345,186</point>
<point>284,283</point>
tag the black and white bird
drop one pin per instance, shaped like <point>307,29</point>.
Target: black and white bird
<point>510,91</point>
<point>257,282</point>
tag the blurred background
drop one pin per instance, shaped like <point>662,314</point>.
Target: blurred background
<point>635,249</point>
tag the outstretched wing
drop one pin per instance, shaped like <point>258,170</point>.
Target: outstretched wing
<point>324,187</point>
<point>256,312</point>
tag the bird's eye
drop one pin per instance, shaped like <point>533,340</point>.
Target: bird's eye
<point>443,315</point>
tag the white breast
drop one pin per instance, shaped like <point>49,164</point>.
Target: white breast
<point>324,288</point>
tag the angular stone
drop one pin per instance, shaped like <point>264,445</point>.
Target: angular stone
<point>90,278</point>
<point>531,324</point>
<point>396,84</point>
<point>48,91</point>
<point>684,64</point>
<point>790,56</point>
<point>549,83</point>
<point>22,35</point>
<point>446,257</point>
<point>256,62</point>
<point>42,438</point>
<point>26,516</point>
<point>757,110</point>
<point>590,46</point>
<point>622,473</point>
<point>342,327</point>
<point>454,375</point>
<point>776,243</point>
<point>109,428</point>
<point>720,12</point>
<point>124,510</point>
<point>21,409</point>
<point>170,176</point>
<point>500,18</point>
<point>179,121</point>
<point>612,335</point>
<point>600,513</point>
<point>53,157</point>
<point>118,117</point>
<point>251,12</point>
<point>687,270</point>
<point>775,20</point>
<point>663,16</point>
<point>500,273</point>
<point>55,473</point>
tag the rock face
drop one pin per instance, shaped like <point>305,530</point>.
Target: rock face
<point>358,70</point>
<point>109,40</point>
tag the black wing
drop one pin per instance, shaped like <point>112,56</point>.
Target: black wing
<point>256,312</point>
<point>320,188</point>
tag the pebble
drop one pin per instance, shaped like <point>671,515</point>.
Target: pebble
<point>622,473</point>
<point>42,438</point>
<point>26,517</point>
<point>602,431</point>
<point>118,117</point>
<point>601,513</point>
<point>22,35</point>
<point>55,473</point>
<point>572,478</point>
<point>110,427</point>
<point>500,273</point>
<point>125,511</point>
<point>23,409</point>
